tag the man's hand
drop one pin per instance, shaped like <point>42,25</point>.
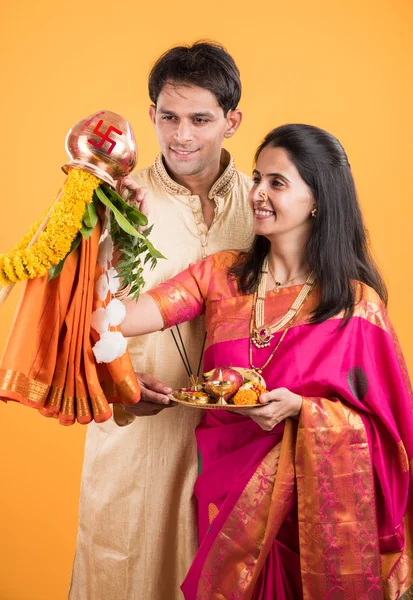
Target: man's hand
<point>154,397</point>
<point>281,404</point>
<point>136,196</point>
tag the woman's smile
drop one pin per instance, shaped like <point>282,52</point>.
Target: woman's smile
<point>261,213</point>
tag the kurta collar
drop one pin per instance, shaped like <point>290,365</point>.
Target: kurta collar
<point>221,187</point>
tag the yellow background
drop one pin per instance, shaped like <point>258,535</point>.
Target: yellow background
<point>344,66</point>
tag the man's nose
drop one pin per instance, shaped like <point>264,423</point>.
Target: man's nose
<point>183,133</point>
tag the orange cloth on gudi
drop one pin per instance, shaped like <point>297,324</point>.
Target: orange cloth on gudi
<point>48,362</point>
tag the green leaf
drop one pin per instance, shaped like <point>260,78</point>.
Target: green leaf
<point>132,212</point>
<point>86,231</point>
<point>125,225</point>
<point>90,217</point>
<point>57,269</point>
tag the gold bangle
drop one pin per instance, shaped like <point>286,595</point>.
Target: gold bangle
<point>123,292</point>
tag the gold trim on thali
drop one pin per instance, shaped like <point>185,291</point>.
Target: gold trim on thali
<point>212,406</point>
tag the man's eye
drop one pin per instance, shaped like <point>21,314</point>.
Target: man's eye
<point>200,120</point>
<point>167,117</point>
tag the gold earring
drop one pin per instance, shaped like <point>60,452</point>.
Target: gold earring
<point>314,212</point>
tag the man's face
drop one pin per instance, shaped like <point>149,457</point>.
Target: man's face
<point>191,127</point>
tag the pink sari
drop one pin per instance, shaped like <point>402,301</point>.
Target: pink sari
<point>318,508</point>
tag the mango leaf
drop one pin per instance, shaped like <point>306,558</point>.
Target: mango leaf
<point>86,231</point>
<point>124,223</point>
<point>57,269</point>
<point>133,213</point>
<point>90,217</point>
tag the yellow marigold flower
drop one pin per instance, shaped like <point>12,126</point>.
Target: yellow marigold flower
<point>245,397</point>
<point>249,393</point>
<point>52,244</point>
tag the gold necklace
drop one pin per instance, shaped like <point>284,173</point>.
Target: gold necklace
<point>278,284</point>
<point>311,281</point>
<point>262,334</point>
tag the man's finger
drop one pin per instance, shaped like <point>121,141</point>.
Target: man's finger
<point>152,383</point>
<point>154,397</point>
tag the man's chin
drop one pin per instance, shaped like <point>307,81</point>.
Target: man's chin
<point>184,169</point>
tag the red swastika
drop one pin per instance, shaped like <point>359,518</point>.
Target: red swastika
<point>104,136</point>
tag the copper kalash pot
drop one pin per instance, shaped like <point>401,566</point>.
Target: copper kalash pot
<point>102,144</point>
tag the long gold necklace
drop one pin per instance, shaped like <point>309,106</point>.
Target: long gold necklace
<point>260,334</point>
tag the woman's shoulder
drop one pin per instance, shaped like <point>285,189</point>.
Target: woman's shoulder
<point>369,306</point>
<point>365,293</point>
<point>224,259</point>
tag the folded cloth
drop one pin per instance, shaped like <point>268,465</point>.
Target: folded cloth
<point>48,362</point>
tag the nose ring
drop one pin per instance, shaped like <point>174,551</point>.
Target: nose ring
<point>264,197</point>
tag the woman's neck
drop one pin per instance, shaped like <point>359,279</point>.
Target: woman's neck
<point>287,261</point>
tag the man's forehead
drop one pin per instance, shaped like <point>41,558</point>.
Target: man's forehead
<point>186,99</point>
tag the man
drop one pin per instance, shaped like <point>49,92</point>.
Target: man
<point>137,530</point>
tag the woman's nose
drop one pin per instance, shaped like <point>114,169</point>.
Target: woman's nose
<point>259,195</point>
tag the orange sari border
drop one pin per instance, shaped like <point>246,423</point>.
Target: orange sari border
<point>52,401</point>
<point>339,546</point>
<point>236,558</point>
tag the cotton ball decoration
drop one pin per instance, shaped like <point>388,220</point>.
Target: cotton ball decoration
<point>116,312</point>
<point>102,287</point>
<point>114,283</point>
<point>100,320</point>
<point>105,254</point>
<point>111,345</point>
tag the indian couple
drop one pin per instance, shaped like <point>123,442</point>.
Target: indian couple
<point>309,495</point>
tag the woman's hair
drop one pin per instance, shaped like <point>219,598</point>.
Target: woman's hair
<point>337,249</point>
<point>204,64</point>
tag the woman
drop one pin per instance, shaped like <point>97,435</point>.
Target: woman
<point>308,495</point>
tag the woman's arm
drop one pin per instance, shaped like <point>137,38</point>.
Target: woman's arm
<point>142,316</point>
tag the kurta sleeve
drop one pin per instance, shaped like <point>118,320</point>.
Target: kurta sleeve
<point>183,297</point>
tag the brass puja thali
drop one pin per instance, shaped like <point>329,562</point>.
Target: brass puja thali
<point>225,388</point>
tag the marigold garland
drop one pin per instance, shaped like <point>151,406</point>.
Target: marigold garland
<point>54,243</point>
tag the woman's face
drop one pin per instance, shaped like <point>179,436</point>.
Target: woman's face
<point>290,201</point>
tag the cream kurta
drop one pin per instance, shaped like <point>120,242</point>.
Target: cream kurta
<point>137,528</point>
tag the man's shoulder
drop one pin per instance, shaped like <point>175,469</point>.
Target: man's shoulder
<point>142,176</point>
<point>243,179</point>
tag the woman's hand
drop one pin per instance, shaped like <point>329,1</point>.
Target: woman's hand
<point>135,195</point>
<point>281,404</point>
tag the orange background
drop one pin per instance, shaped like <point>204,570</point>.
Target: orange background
<point>343,66</point>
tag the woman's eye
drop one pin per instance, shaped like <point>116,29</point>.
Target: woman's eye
<point>277,183</point>
<point>256,180</point>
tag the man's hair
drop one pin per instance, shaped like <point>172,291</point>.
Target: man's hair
<point>204,64</point>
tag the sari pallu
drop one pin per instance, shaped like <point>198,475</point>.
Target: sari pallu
<point>48,362</point>
<point>320,507</point>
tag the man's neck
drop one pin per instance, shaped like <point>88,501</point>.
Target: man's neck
<point>200,184</point>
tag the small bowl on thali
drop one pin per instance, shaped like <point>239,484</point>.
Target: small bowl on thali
<point>193,396</point>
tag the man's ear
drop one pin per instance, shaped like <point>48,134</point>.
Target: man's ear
<point>152,113</point>
<point>234,119</point>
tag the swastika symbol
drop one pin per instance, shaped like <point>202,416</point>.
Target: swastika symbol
<point>104,136</point>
